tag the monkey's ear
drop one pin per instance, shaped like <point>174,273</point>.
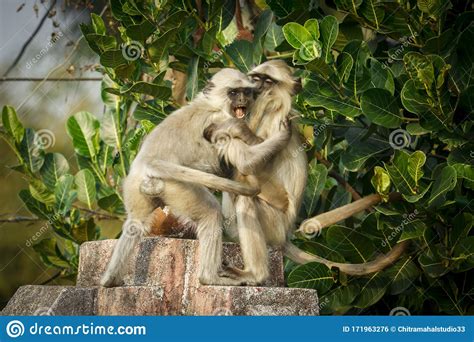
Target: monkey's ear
<point>209,86</point>
<point>297,87</point>
<point>209,131</point>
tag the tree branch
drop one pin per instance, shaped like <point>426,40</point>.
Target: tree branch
<point>355,195</point>
<point>55,79</point>
<point>30,39</point>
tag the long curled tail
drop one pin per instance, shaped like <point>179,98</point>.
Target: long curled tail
<point>380,263</point>
<point>167,170</point>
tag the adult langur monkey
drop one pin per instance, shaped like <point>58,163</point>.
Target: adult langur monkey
<point>186,164</point>
<point>254,222</point>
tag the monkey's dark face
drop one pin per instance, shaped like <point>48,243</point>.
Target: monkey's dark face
<point>241,99</point>
<point>264,82</point>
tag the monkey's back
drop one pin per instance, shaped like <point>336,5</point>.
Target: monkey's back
<point>179,139</point>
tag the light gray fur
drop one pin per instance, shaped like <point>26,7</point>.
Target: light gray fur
<point>253,222</point>
<point>186,164</point>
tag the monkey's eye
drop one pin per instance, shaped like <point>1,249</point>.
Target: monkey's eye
<point>232,93</point>
<point>247,91</point>
<point>269,81</point>
<point>256,78</point>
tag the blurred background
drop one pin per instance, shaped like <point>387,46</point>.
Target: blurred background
<point>47,74</point>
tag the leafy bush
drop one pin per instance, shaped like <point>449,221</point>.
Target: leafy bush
<point>386,108</point>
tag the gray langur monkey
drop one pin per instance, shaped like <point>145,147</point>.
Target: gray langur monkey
<point>254,222</point>
<point>185,164</point>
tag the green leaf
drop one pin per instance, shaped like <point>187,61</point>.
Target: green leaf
<point>412,230</point>
<point>141,31</point>
<point>85,232</point>
<point>112,58</point>
<point>31,151</point>
<point>444,183</point>
<point>381,77</point>
<point>371,290</point>
<point>55,165</point>
<point>112,203</point>
<point>83,128</point>
<point>432,264</point>
<point>296,35</point>
<point>462,224</point>
<point>403,275</point>
<point>50,254</point>
<point>98,24</point>
<point>381,108</point>
<point>420,69</point>
<point>157,91</point>
<point>311,276</point>
<point>317,176</point>
<point>192,83</point>
<point>34,206</point>
<point>273,38</point>
<point>264,22</point>
<point>400,175</point>
<point>110,130</point>
<point>339,299</point>
<point>381,181</point>
<point>11,123</point>
<point>415,165</point>
<point>359,152</point>
<point>335,104</point>
<point>85,183</point>
<point>310,50</point>
<point>344,66</point>
<point>64,194</point>
<point>241,53</point>
<point>312,26</point>
<point>373,12</point>
<point>350,243</point>
<point>329,31</point>
<point>40,192</point>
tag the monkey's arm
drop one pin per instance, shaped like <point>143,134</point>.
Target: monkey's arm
<point>251,159</point>
<point>167,170</point>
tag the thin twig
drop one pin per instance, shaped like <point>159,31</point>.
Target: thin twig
<point>15,219</point>
<point>55,79</point>
<point>30,39</point>
<point>338,177</point>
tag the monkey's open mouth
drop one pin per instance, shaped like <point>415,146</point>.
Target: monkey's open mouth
<point>239,112</point>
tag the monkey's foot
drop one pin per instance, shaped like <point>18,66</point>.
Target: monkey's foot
<point>111,281</point>
<point>246,277</point>
<point>152,186</point>
<point>219,280</point>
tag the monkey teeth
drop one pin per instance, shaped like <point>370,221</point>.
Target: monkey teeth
<point>239,112</point>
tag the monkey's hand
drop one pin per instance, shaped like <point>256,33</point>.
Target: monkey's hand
<point>285,128</point>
